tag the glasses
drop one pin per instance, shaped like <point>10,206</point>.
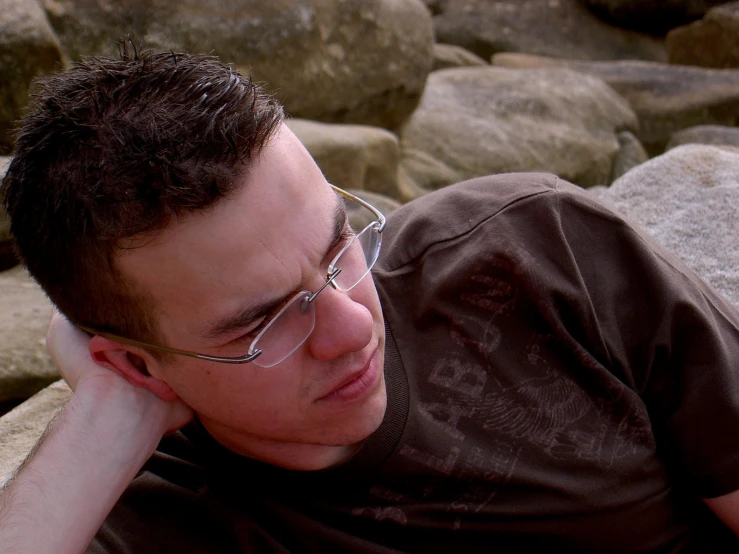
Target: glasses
<point>291,326</point>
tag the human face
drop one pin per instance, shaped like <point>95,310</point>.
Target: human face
<point>268,240</point>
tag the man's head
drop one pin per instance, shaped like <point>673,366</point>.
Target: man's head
<point>115,150</point>
<point>165,208</point>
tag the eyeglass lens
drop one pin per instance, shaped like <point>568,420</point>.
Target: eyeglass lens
<point>295,322</point>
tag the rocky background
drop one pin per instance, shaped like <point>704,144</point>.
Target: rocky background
<point>636,100</point>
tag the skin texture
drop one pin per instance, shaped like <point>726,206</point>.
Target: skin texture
<point>212,264</point>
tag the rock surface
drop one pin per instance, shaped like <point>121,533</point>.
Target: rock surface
<point>450,55</point>
<point>559,28</point>
<point>25,366</point>
<point>480,120</point>
<point>706,134</point>
<point>630,154</point>
<point>667,98</point>
<point>710,42</point>
<point>28,48</point>
<point>21,428</point>
<point>688,199</point>
<point>7,256</point>
<point>350,61</point>
<point>352,156</point>
<point>651,16</point>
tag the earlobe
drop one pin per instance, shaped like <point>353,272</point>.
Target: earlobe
<point>130,365</point>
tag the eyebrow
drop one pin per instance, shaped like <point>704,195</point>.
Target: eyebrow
<point>247,316</point>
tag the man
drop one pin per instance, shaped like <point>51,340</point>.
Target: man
<point>524,372</point>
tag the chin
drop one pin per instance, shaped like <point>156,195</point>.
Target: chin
<point>357,427</point>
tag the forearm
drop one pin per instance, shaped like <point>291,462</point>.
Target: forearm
<point>82,465</point>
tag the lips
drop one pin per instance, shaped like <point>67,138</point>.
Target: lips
<point>356,383</point>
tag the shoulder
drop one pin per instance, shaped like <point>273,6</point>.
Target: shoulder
<point>449,213</point>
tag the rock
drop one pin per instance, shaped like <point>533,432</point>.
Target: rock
<point>711,42</point>
<point>688,199</point>
<point>667,98</point>
<point>7,255</point>
<point>651,16</point>
<point>352,156</point>
<point>22,427</point>
<point>706,134</point>
<point>360,217</point>
<point>482,120</point>
<point>559,28</point>
<point>419,173</point>
<point>631,153</point>
<point>28,48</point>
<point>25,366</point>
<point>449,55</point>
<point>345,61</point>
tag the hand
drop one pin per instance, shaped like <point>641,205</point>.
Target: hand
<point>69,350</point>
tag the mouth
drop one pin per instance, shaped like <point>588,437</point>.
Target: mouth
<point>357,384</point>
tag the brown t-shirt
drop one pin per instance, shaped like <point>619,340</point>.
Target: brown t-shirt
<point>557,383</point>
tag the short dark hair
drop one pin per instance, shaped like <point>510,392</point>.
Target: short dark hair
<point>116,149</point>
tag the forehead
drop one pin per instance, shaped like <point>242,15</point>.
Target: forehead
<point>262,240</point>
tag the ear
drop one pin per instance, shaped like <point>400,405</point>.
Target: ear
<point>131,364</point>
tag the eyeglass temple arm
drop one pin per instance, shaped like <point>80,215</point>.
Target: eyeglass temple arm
<point>191,354</point>
<point>370,207</point>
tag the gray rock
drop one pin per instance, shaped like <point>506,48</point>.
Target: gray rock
<point>7,254</point>
<point>560,28</point>
<point>710,42</point>
<point>667,98</point>
<point>706,134</point>
<point>688,199</point>
<point>25,366</point>
<point>630,154</point>
<point>345,61</point>
<point>352,156</point>
<point>450,55</point>
<point>22,427</point>
<point>360,217</point>
<point>480,120</point>
<point>651,16</point>
<point>28,48</point>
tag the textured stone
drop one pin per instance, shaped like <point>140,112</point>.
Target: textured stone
<point>560,28</point>
<point>630,154</point>
<point>688,199</point>
<point>710,42</point>
<point>651,16</point>
<point>25,366</point>
<point>349,61</point>
<point>667,98</point>
<point>706,134</point>
<point>360,217</point>
<point>450,55</point>
<point>352,156</point>
<point>22,427</point>
<point>28,48</point>
<point>480,120</point>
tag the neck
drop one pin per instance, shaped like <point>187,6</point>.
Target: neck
<point>295,456</point>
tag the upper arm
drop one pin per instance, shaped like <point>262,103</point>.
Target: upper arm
<point>726,507</point>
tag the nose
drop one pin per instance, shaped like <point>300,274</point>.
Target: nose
<point>343,325</point>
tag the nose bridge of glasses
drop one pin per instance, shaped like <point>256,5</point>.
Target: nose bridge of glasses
<point>329,281</point>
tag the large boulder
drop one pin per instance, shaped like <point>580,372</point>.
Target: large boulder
<point>475,121</point>
<point>667,98</point>
<point>22,427</point>
<point>352,156</point>
<point>651,16</point>
<point>25,366</point>
<point>710,42</point>
<point>688,199</point>
<point>28,48</point>
<point>561,28</point>
<point>351,61</point>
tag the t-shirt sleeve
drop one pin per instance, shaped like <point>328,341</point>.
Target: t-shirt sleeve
<point>659,328</point>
